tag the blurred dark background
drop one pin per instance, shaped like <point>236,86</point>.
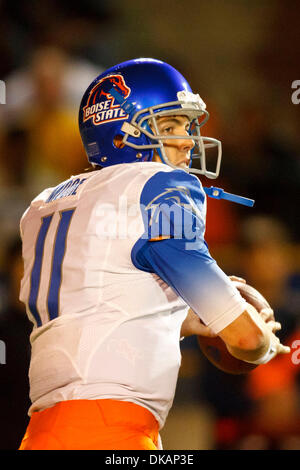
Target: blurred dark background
<point>241,57</point>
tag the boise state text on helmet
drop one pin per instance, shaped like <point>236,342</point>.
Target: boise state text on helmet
<point>101,105</point>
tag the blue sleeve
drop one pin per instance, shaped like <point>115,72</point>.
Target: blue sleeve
<point>173,204</point>
<point>183,261</point>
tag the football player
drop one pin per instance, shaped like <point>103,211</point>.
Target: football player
<point>117,270</point>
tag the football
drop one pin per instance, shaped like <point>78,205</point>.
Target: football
<point>215,349</point>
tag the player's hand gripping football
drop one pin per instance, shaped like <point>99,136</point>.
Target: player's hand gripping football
<point>254,298</point>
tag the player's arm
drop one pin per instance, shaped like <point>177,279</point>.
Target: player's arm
<point>173,247</point>
<point>249,337</point>
<point>215,302</point>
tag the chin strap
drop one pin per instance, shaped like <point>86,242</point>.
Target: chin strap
<point>127,105</point>
<point>219,193</point>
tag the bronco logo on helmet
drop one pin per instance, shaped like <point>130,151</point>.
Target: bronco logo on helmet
<point>100,104</point>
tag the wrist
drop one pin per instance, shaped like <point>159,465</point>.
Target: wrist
<point>270,354</point>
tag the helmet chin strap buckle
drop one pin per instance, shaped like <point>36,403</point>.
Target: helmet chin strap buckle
<point>219,193</point>
<point>129,129</point>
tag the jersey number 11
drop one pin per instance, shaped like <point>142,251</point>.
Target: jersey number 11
<point>59,249</point>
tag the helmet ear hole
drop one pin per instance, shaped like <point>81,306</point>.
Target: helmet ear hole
<point>118,141</point>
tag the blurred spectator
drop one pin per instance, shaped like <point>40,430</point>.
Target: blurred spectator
<point>269,263</point>
<point>261,410</point>
<point>15,329</point>
<point>42,108</point>
<point>81,29</point>
<point>274,388</point>
<point>49,73</point>
<point>262,163</point>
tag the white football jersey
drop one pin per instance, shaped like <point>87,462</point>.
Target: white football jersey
<point>102,327</point>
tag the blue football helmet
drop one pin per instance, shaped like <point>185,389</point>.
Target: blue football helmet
<point>119,110</point>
